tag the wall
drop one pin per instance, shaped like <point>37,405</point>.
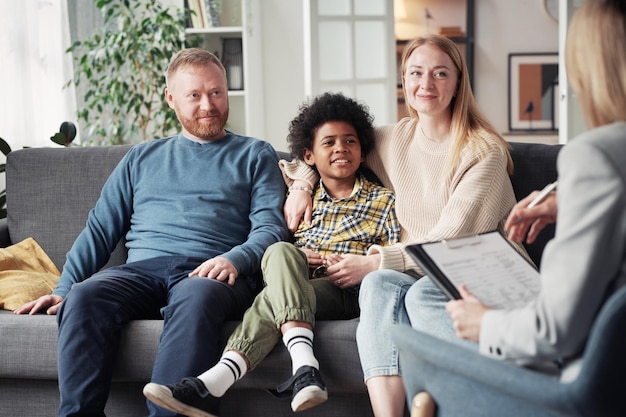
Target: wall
<point>501,27</point>
<point>283,66</point>
<point>35,35</point>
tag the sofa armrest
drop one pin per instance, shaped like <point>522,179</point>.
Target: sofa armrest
<point>5,239</point>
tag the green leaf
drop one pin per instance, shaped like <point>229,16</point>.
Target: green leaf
<point>68,129</point>
<point>5,148</point>
<point>58,138</point>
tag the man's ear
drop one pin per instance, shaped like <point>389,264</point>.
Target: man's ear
<point>309,158</point>
<point>169,98</point>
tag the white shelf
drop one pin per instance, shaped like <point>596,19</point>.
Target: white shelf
<point>236,93</point>
<point>221,30</point>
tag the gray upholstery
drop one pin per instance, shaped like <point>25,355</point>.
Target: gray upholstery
<point>534,167</point>
<point>49,194</point>
<point>28,371</point>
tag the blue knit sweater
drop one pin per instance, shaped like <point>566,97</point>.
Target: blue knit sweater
<point>174,197</point>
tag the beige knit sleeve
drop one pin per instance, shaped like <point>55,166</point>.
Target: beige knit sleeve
<point>394,257</point>
<point>297,170</point>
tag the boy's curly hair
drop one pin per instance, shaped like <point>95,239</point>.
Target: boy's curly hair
<point>325,108</point>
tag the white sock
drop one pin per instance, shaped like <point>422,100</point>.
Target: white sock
<point>299,342</point>
<point>231,368</point>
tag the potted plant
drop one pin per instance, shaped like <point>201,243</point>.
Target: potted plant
<point>123,65</point>
<point>65,135</point>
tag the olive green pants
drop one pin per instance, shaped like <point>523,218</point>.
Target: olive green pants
<point>288,295</point>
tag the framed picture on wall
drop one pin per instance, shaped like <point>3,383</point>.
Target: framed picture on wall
<point>533,92</point>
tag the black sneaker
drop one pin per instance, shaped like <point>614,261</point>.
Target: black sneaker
<point>309,389</point>
<point>189,397</point>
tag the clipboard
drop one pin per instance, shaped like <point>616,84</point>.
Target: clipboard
<point>491,268</point>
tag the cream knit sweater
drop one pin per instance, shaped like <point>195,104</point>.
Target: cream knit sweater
<point>476,198</point>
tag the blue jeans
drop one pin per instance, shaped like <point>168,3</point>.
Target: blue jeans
<point>426,306</point>
<point>390,297</point>
<point>94,312</point>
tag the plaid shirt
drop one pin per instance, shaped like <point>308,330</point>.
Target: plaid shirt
<point>352,224</point>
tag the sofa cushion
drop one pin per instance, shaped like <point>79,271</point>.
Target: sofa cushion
<point>335,347</point>
<point>50,193</point>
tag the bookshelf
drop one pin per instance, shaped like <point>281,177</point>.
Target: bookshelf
<point>233,34</point>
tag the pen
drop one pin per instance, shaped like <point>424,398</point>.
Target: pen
<point>543,194</point>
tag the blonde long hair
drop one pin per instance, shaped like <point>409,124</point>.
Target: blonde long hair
<point>468,122</point>
<point>595,59</point>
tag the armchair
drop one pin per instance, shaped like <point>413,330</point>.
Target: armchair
<point>464,383</point>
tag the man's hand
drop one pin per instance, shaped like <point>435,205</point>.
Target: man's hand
<point>218,268</point>
<point>521,218</point>
<point>467,315</point>
<point>349,270</point>
<point>298,206</point>
<point>49,302</point>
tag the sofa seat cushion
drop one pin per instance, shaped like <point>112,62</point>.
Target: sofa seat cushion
<point>29,345</point>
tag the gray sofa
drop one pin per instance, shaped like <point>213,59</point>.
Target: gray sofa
<point>49,193</point>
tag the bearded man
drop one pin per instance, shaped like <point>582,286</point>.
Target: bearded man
<point>197,211</point>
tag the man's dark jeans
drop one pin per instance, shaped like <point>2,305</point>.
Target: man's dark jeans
<point>93,313</point>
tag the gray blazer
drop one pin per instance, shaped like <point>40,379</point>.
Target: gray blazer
<point>581,266</point>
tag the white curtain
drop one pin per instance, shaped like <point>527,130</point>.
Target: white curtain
<point>34,67</point>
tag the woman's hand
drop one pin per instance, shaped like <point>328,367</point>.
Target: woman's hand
<point>349,270</point>
<point>522,218</point>
<point>49,302</point>
<point>467,315</point>
<point>298,206</point>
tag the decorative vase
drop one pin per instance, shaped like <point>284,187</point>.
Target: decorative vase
<point>232,57</point>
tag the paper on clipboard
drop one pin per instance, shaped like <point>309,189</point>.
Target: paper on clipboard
<point>487,264</point>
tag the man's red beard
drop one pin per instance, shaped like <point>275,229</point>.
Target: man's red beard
<point>204,130</point>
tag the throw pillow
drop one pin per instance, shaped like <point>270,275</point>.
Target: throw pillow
<point>26,273</point>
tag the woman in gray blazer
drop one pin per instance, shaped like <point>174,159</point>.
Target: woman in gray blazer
<point>586,261</point>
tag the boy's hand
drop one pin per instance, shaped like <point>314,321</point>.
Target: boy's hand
<point>314,258</point>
